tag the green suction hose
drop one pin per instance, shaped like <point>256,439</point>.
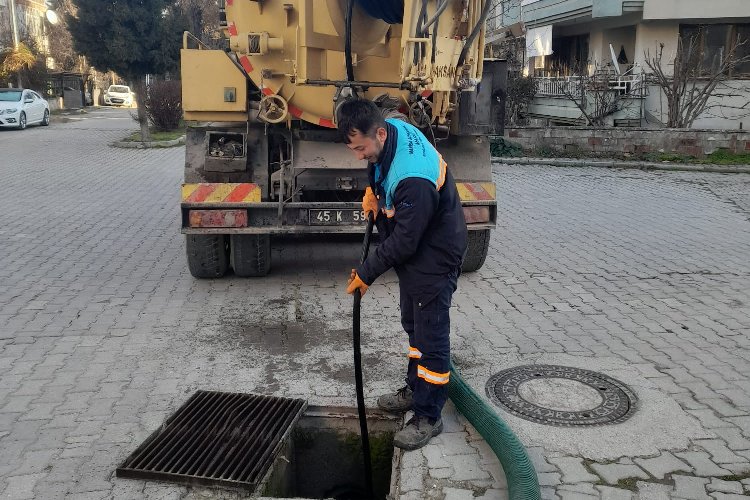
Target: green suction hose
<point>519,472</point>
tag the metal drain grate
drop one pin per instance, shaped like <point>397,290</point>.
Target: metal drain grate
<point>216,438</point>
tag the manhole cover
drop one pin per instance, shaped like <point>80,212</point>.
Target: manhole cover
<point>561,395</point>
<point>216,438</point>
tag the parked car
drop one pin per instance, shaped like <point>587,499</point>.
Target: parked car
<point>118,95</point>
<point>21,107</point>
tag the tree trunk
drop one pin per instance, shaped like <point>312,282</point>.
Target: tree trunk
<point>140,99</point>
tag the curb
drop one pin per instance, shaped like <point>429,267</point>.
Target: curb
<point>149,145</point>
<point>639,165</point>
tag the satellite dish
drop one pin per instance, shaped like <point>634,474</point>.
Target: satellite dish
<point>52,17</point>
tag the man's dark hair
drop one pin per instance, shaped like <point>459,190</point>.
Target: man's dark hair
<point>359,115</point>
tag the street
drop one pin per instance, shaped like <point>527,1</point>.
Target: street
<point>644,276</point>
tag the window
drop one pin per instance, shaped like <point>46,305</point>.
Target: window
<point>743,35</point>
<point>708,46</point>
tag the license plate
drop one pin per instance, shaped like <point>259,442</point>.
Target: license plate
<point>336,217</point>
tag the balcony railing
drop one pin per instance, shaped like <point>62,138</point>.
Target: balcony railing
<point>572,86</point>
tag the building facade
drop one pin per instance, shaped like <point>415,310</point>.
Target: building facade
<point>569,38</point>
<point>30,23</point>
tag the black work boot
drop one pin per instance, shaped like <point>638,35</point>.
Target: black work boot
<point>417,433</point>
<point>397,402</point>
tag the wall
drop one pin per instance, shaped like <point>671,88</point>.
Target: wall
<point>564,111</point>
<point>695,9</point>
<point>630,140</point>
<point>648,36</point>
<point>729,112</point>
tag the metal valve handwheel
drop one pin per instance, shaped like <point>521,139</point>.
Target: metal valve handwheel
<point>273,108</point>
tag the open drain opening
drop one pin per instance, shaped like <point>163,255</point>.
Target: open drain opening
<point>323,456</point>
<point>275,446</point>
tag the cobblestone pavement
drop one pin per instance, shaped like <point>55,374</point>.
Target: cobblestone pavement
<point>103,333</point>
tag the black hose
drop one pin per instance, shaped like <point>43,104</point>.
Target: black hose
<point>418,52</point>
<point>358,368</point>
<point>348,41</point>
<point>434,39</point>
<point>390,11</point>
<point>474,32</point>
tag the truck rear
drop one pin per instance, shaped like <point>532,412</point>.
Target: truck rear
<point>262,154</point>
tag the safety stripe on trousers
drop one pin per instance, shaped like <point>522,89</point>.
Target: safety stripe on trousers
<point>414,353</point>
<point>432,377</point>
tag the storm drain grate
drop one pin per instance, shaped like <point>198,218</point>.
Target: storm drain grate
<point>216,438</point>
<point>561,395</point>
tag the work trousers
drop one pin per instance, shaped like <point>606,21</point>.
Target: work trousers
<point>428,325</point>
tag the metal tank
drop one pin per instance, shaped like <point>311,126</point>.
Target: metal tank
<point>262,156</point>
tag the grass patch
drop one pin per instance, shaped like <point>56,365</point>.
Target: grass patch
<point>502,147</point>
<point>719,157</point>
<point>667,158</point>
<point>725,157</point>
<point>157,136</point>
<point>628,483</point>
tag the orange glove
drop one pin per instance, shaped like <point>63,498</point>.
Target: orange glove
<point>355,282</point>
<point>370,203</point>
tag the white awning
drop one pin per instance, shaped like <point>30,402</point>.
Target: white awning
<point>539,41</point>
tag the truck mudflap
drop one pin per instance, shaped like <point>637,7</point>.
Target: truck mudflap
<point>236,208</point>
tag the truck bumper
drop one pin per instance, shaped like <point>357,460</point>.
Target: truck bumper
<point>237,209</point>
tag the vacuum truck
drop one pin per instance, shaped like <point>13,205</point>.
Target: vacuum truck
<point>262,155</point>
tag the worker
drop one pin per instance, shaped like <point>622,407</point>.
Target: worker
<point>418,213</point>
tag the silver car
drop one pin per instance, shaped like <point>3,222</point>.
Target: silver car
<point>21,107</point>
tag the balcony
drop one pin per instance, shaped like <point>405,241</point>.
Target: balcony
<point>619,99</point>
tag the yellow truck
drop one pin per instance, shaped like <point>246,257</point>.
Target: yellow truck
<point>262,155</point>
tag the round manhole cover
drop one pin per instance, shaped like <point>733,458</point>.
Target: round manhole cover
<point>561,395</point>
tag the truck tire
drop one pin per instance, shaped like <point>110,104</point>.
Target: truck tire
<point>207,255</point>
<point>476,250</point>
<point>250,254</point>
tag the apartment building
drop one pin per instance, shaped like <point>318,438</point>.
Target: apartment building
<point>569,38</point>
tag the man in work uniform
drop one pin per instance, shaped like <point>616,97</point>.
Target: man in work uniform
<point>423,237</point>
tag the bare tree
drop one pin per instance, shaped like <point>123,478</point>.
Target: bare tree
<point>201,17</point>
<point>695,80</point>
<point>60,42</point>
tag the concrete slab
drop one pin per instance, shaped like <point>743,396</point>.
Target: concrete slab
<point>659,422</point>
<point>640,275</point>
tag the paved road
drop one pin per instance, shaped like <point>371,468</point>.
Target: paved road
<point>103,333</point>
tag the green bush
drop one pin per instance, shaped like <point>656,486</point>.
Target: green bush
<point>500,146</point>
<point>163,104</point>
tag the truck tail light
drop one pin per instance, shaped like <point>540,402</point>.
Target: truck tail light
<point>218,218</point>
<point>477,214</point>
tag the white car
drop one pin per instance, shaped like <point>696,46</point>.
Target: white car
<point>21,107</point>
<point>118,95</point>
